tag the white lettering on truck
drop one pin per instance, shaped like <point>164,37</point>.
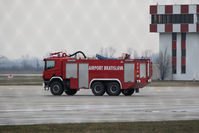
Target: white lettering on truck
<point>95,68</point>
<point>116,68</point>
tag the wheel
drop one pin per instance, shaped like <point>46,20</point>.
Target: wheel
<point>127,92</point>
<point>98,89</point>
<point>71,92</point>
<point>56,88</point>
<point>113,89</point>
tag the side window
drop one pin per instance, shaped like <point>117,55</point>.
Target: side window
<point>198,19</point>
<point>50,64</point>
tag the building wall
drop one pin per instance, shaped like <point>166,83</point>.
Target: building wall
<point>192,55</point>
<point>178,57</point>
<point>165,40</point>
<point>192,58</point>
<point>156,72</point>
<point>181,21</point>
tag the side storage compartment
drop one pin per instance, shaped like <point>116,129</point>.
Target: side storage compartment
<point>83,75</point>
<point>129,72</point>
<point>71,73</point>
<point>143,70</point>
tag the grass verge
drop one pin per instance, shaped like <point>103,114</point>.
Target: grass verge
<point>173,83</point>
<point>191,126</point>
<point>24,81</point>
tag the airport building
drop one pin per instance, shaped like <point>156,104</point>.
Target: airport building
<point>178,28</point>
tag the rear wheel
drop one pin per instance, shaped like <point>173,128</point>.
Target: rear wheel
<point>113,89</point>
<point>98,89</point>
<point>56,88</point>
<point>127,92</point>
<point>71,92</point>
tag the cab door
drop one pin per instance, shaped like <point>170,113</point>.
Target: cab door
<point>49,69</point>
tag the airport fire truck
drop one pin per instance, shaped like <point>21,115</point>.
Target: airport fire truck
<point>70,73</point>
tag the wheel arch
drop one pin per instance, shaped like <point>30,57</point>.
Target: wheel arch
<point>56,78</point>
<point>104,80</point>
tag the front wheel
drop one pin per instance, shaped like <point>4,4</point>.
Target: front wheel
<point>127,92</point>
<point>56,88</point>
<point>71,92</point>
<point>113,89</point>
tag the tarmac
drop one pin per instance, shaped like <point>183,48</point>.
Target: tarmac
<point>24,105</point>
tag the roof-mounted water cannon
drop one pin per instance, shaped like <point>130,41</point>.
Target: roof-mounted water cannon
<point>58,54</point>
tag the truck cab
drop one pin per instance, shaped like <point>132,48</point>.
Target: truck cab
<point>52,68</point>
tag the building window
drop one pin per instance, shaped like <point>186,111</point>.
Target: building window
<point>159,19</point>
<point>183,36</point>
<point>178,18</point>
<point>169,19</point>
<point>183,68</point>
<point>174,36</point>
<point>164,19</point>
<point>173,52</point>
<point>183,52</point>
<point>172,19</point>
<point>198,18</point>
<point>174,69</point>
<point>154,19</point>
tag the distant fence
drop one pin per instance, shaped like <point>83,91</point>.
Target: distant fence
<point>20,76</point>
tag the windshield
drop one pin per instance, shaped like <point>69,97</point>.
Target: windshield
<point>49,65</point>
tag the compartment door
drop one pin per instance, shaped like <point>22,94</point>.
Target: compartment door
<point>71,73</point>
<point>129,72</point>
<point>71,70</point>
<point>83,75</point>
<point>143,70</point>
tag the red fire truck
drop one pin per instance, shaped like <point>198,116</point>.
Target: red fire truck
<point>68,73</point>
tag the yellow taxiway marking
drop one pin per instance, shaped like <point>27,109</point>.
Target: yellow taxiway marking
<point>10,88</point>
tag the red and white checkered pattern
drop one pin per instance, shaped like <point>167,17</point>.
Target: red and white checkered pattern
<point>175,9</point>
<point>174,27</point>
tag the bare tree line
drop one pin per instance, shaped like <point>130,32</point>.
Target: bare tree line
<point>110,52</point>
<point>25,64</point>
<point>164,61</point>
<point>107,52</point>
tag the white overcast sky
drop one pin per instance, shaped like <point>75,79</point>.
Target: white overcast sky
<point>37,27</point>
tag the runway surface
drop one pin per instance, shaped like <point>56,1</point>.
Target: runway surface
<point>32,105</point>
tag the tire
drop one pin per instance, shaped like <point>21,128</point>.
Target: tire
<point>71,92</point>
<point>128,92</point>
<point>113,89</point>
<point>98,89</point>
<point>56,88</point>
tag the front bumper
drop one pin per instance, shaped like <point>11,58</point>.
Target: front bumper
<point>46,84</point>
<point>140,83</point>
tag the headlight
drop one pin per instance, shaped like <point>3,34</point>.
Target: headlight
<point>149,80</point>
<point>138,81</point>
